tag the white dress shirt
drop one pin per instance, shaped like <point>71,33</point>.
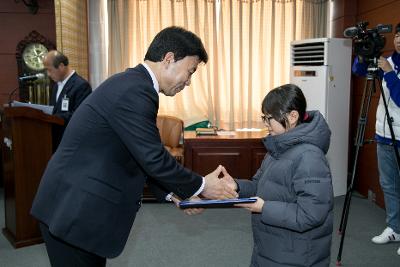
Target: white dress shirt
<point>61,84</point>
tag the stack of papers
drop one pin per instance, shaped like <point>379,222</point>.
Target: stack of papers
<point>46,109</point>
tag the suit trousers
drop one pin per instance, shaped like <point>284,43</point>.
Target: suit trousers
<point>62,254</point>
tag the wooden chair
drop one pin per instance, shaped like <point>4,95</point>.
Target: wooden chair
<point>171,132</point>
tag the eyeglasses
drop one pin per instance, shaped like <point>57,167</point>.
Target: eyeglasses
<point>266,119</point>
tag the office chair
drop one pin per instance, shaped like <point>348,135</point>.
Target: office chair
<point>171,132</point>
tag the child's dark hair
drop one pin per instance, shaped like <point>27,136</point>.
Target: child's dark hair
<point>282,100</point>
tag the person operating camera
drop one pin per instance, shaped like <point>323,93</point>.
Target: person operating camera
<point>387,165</point>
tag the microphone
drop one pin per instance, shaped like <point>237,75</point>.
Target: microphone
<point>350,32</point>
<point>31,77</point>
<point>10,96</point>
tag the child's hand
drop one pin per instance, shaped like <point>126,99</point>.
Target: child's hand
<point>253,207</point>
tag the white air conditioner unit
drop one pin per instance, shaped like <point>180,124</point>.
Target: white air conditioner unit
<point>322,68</point>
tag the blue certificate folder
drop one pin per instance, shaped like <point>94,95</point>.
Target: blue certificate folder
<point>211,203</point>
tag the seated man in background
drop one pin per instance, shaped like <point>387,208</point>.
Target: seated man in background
<point>68,92</point>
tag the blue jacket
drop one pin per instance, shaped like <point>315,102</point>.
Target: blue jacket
<point>391,88</point>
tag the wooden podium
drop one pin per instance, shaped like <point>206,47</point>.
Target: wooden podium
<point>26,148</point>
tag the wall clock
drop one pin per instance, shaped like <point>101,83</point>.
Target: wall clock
<point>33,55</point>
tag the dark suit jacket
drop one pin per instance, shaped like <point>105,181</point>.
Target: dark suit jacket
<point>76,90</point>
<point>92,187</point>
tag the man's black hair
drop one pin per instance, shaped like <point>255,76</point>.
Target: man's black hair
<point>397,28</point>
<point>177,40</point>
<point>60,58</point>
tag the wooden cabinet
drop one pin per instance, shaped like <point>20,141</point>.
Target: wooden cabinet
<point>241,154</point>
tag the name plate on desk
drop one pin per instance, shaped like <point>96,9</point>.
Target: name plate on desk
<point>206,131</point>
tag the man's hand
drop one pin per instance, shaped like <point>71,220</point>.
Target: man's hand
<point>229,180</point>
<point>384,64</point>
<point>253,207</point>
<point>192,211</point>
<point>216,188</point>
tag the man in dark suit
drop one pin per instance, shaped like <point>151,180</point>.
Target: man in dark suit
<point>69,90</point>
<point>92,187</point>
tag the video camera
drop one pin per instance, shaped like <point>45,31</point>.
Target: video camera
<point>368,43</point>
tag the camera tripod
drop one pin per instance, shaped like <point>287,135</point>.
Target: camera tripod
<point>369,88</point>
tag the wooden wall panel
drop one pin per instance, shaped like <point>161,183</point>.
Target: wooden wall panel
<point>10,36</point>
<point>16,22</point>
<point>343,8</point>
<point>8,76</point>
<point>343,16</point>
<point>365,6</point>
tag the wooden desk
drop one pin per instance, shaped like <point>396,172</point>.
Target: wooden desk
<point>241,154</point>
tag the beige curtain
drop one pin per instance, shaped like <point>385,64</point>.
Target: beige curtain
<point>72,33</point>
<point>254,53</point>
<point>248,42</point>
<point>132,26</point>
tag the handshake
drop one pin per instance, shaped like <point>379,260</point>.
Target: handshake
<point>214,188</point>
<point>219,188</point>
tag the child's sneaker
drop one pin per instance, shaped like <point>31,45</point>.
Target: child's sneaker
<point>388,235</point>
